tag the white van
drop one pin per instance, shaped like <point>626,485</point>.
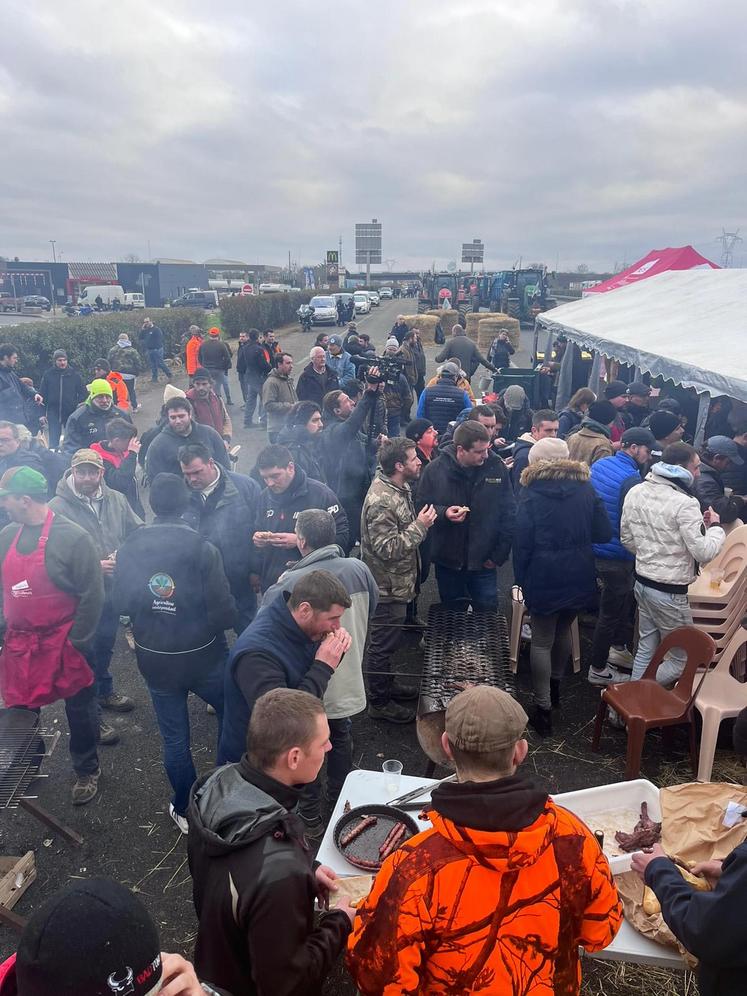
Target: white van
<point>134,300</point>
<point>109,293</point>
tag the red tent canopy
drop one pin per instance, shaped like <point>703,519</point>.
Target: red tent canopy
<point>657,261</point>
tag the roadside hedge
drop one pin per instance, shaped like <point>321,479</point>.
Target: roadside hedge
<point>264,311</point>
<point>86,339</point>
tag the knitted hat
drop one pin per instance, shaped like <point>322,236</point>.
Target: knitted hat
<point>392,343</point>
<point>514,398</point>
<point>662,423</point>
<point>172,392</point>
<point>168,494</point>
<point>603,412</point>
<point>418,428</point>
<point>99,386</point>
<point>59,354</point>
<point>93,938</point>
<point>548,448</point>
<point>201,374</point>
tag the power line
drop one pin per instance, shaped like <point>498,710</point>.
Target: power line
<point>728,240</point>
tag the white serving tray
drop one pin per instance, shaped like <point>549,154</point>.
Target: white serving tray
<point>613,807</point>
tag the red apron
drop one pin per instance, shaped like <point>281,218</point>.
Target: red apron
<point>38,663</point>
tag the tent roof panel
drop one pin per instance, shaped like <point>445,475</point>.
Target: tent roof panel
<point>688,326</point>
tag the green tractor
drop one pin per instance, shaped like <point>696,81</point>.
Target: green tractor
<point>522,294</point>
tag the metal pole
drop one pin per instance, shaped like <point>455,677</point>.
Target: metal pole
<point>54,254</point>
<point>368,269</point>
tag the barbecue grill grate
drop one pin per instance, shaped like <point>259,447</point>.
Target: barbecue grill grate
<point>463,647</point>
<point>23,747</point>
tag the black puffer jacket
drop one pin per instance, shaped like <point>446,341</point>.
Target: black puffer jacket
<point>254,888</point>
<point>312,386</point>
<point>13,397</point>
<point>162,456</point>
<point>488,530</point>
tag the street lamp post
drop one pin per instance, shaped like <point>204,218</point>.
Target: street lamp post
<point>53,242</point>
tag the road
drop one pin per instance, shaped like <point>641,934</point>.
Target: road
<point>127,832</point>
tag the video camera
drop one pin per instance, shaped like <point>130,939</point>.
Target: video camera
<point>390,367</point>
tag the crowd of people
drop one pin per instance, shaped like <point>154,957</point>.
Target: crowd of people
<point>314,561</point>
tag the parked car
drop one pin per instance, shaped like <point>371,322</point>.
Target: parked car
<point>134,300</point>
<point>325,311</point>
<point>374,298</point>
<point>37,301</point>
<point>9,303</point>
<point>197,299</point>
<point>362,303</point>
<point>386,293</point>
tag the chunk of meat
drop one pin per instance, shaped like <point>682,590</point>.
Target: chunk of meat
<point>645,833</point>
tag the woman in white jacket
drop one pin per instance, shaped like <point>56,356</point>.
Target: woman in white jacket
<point>663,526</point>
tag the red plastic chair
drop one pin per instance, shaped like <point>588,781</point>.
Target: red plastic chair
<point>646,704</point>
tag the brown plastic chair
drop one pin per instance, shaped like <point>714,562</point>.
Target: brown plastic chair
<point>646,704</point>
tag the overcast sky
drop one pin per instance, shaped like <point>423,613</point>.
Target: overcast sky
<point>564,131</point>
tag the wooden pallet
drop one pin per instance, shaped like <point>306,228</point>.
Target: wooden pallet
<point>16,875</point>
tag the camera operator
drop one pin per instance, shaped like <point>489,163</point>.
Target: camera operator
<point>397,390</point>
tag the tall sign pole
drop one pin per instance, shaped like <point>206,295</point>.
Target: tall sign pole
<point>368,245</point>
<point>473,252</point>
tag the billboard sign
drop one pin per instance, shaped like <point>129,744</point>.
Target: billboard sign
<point>368,242</point>
<point>473,252</point>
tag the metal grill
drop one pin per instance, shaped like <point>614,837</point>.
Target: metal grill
<point>23,747</point>
<point>461,649</point>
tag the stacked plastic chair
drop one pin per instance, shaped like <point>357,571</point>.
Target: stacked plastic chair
<point>718,596</point>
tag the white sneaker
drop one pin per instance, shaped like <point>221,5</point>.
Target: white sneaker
<point>620,657</point>
<point>609,676</point>
<point>181,821</point>
<point>526,632</point>
<point>615,719</point>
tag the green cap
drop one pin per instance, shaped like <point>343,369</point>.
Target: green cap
<point>23,481</point>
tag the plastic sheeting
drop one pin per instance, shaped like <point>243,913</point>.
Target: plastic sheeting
<point>687,326</point>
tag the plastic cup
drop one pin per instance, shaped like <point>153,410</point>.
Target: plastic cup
<point>393,771</point>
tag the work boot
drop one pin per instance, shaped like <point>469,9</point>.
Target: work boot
<point>402,692</point>
<point>107,735</point>
<point>391,712</point>
<point>85,788</point>
<point>117,703</point>
<point>541,721</point>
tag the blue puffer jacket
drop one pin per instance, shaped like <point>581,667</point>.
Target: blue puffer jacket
<point>607,477</point>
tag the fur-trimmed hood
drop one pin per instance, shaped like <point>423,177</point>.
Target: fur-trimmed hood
<point>555,470</point>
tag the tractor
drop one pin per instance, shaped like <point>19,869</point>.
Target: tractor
<point>433,283</point>
<point>522,294</point>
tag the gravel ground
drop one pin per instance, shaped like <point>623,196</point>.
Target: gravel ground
<point>129,836</point>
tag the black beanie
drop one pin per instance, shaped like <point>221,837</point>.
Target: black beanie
<point>93,938</point>
<point>603,412</point>
<point>418,428</point>
<point>169,494</point>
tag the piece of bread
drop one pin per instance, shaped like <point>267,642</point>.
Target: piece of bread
<point>353,888</point>
<point>652,906</point>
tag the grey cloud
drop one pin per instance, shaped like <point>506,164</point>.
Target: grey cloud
<point>585,130</point>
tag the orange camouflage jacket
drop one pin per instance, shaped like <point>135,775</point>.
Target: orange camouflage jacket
<point>457,910</point>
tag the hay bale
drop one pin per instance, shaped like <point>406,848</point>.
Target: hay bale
<point>488,329</point>
<point>448,317</point>
<point>475,317</point>
<point>426,326</point>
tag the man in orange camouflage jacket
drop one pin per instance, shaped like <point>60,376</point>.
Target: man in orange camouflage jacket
<point>498,896</point>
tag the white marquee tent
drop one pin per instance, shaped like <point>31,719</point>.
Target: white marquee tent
<point>689,326</point>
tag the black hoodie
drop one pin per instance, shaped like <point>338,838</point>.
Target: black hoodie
<point>254,888</point>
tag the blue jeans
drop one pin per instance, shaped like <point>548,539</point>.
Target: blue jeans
<point>172,714</point>
<point>103,646</point>
<point>157,363</point>
<point>220,381</point>
<point>659,613</point>
<point>478,587</point>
